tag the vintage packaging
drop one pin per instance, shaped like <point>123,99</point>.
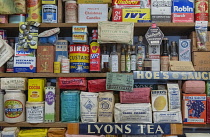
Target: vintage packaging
<point>38,132</point>
<point>65,65</point>
<point>131,15</point>
<point>88,107</point>
<point>194,41</point>
<point>3,18</point>
<point>34,10</point>
<point>133,113</point>
<point>201,61</point>
<point>194,108</point>
<point>45,58</point>
<point>79,58</point>
<point>142,4</point>
<point>174,97</point>
<point>36,90</point>
<point>161,10</point>
<point>207,88</point>
<point>138,95</point>
<point>49,104</point>
<point>147,85</point>
<point>49,1</point>
<point>184,49</point>
<point>70,97</point>
<point>201,10</point>
<point>61,50</point>
<point>71,12</point>
<point>72,83</point>
<point>14,83</point>
<point>92,13</point>
<point>94,1</point>
<point>49,13</point>
<point>79,29</point>
<point>57,67</point>
<point>167,117</point>
<point>105,106</point>
<point>154,55</point>
<point>208,109</point>
<point>13,7</point>
<point>182,11</point>
<point>20,51</point>
<point>159,100</point>
<point>3,34</point>
<point>17,18</point>
<point>35,112</point>
<point>194,87</point>
<point>79,37</point>
<point>197,134</point>
<point>97,85</point>
<point>24,64</point>
<point>56,132</point>
<point>95,53</point>
<point>10,131</point>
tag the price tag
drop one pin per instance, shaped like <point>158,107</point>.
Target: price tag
<point>154,35</point>
<point>119,82</point>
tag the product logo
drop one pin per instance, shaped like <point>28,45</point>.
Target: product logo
<point>135,15</point>
<point>89,105</point>
<point>94,56</point>
<point>161,4</point>
<point>105,105</point>
<point>183,9</point>
<point>127,2</point>
<point>13,108</point>
<point>184,44</point>
<point>34,94</point>
<point>50,98</point>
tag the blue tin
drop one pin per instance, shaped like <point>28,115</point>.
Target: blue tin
<point>49,14</point>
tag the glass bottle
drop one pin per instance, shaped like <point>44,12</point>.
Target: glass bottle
<point>10,62</point>
<point>174,54</point>
<point>104,56</point>
<point>147,63</point>
<point>164,57</point>
<point>128,60</point>
<point>105,68</point>
<point>141,47</point>
<point>139,60</point>
<point>133,58</point>
<point>122,60</point>
<point>114,59</point>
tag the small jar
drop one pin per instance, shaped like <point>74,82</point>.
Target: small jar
<point>14,106</point>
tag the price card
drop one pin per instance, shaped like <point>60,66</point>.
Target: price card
<point>119,82</point>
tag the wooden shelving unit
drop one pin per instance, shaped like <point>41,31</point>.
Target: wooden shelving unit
<point>25,124</point>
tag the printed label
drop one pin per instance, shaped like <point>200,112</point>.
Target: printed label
<point>164,63</point>
<point>184,50</point>
<point>35,114</point>
<point>104,58</point>
<point>114,63</point>
<point>174,100</point>
<point>49,14</point>
<point>50,98</point>
<point>133,62</point>
<point>122,63</point>
<point>95,57</point>
<point>13,108</point>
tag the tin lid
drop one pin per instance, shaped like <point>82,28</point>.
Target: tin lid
<point>70,1</point>
<point>11,90</point>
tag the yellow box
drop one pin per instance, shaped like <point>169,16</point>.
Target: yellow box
<point>36,90</point>
<point>93,1</point>
<point>48,1</point>
<point>136,15</point>
<point>33,132</point>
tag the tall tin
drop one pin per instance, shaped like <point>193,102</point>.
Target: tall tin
<point>49,14</point>
<point>70,12</point>
<point>34,8</point>
<point>201,10</point>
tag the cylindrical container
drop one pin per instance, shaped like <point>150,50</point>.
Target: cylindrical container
<point>57,67</point>
<point>3,18</point>
<point>34,8</point>
<point>3,34</point>
<point>1,106</point>
<point>14,106</point>
<point>35,112</point>
<point>79,58</point>
<point>2,69</point>
<point>17,18</point>
<point>70,12</point>
<point>65,65</point>
<point>201,10</point>
<point>49,14</point>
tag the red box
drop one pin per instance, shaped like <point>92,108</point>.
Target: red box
<point>139,95</point>
<point>194,87</point>
<point>73,83</point>
<point>97,85</point>
<point>208,110</point>
<point>194,108</point>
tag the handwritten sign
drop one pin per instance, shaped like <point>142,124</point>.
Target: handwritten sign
<point>119,82</point>
<point>124,128</point>
<point>115,32</point>
<point>161,75</point>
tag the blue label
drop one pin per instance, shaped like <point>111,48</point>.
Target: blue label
<point>79,67</point>
<point>183,6</point>
<point>24,69</point>
<point>49,14</point>
<point>125,128</point>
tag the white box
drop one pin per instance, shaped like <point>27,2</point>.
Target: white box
<point>14,83</point>
<point>174,97</point>
<point>24,64</point>
<point>167,117</point>
<point>49,104</point>
<point>155,64</point>
<point>184,49</point>
<point>92,13</point>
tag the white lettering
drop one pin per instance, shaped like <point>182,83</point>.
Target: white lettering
<point>118,128</point>
<point>183,9</point>
<point>149,128</point>
<point>98,128</point>
<point>127,127</point>
<point>159,129</point>
<point>89,129</point>
<point>110,129</point>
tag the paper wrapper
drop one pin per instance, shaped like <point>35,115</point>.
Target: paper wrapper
<point>6,52</point>
<point>73,83</point>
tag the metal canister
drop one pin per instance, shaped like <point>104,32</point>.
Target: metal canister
<point>57,67</point>
<point>70,12</point>
<point>49,14</point>
<point>201,10</point>
<point>34,8</point>
<point>65,65</point>
<point>79,58</point>
<point>17,18</point>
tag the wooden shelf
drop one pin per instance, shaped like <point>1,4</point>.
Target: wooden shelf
<point>54,75</point>
<point>196,126</point>
<point>25,124</point>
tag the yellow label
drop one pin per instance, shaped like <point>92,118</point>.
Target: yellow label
<point>48,1</point>
<point>94,47</point>
<point>13,108</point>
<point>93,1</point>
<point>136,15</point>
<point>36,90</point>
<point>57,67</point>
<point>79,57</point>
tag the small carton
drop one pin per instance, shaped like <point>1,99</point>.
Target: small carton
<point>184,50</point>
<point>79,38</point>
<point>159,100</point>
<point>174,98</point>
<point>24,64</point>
<point>92,13</point>
<point>194,87</point>
<point>36,90</point>
<point>194,108</point>
<point>79,29</point>
<point>167,117</point>
<point>61,50</point>
<point>14,83</point>
<point>49,104</point>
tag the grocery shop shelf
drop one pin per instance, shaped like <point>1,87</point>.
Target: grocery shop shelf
<point>196,126</point>
<point>25,124</point>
